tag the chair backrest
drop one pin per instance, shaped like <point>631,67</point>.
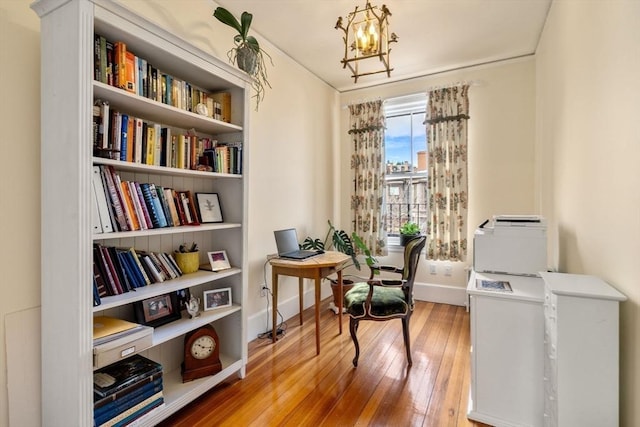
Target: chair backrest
<point>412,252</point>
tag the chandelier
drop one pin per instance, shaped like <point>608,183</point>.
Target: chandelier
<point>366,38</point>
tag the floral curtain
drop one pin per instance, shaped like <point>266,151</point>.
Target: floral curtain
<point>447,115</point>
<point>367,172</point>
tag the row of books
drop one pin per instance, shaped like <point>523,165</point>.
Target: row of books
<point>120,270</point>
<point>126,390</point>
<point>117,66</point>
<point>121,205</point>
<point>121,136</point>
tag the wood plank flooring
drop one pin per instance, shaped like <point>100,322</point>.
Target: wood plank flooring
<point>288,385</point>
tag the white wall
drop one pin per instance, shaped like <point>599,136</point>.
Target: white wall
<point>19,177</point>
<point>588,63</point>
<point>501,148</point>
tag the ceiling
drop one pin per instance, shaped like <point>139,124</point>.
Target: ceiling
<point>433,35</point>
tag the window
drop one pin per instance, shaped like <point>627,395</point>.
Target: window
<point>406,164</point>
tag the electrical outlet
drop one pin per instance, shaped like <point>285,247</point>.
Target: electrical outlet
<point>432,269</point>
<point>263,291</point>
<point>447,270</point>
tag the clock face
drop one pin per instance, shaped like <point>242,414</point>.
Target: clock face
<point>203,347</point>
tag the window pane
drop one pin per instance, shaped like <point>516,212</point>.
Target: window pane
<point>406,164</point>
<point>397,140</point>
<point>419,142</point>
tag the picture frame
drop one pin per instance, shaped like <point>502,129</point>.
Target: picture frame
<point>218,260</point>
<point>217,298</point>
<point>183,296</point>
<point>157,310</point>
<point>209,208</point>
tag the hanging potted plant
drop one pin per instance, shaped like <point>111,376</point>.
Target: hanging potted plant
<point>247,53</point>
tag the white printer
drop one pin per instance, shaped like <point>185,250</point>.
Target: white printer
<point>511,244</point>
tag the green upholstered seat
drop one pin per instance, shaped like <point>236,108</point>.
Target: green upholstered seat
<point>385,301</point>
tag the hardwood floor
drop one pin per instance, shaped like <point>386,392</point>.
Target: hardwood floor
<point>288,385</point>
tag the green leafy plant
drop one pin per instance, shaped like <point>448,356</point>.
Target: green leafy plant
<point>342,242</point>
<point>409,228</point>
<point>247,53</point>
<point>184,248</point>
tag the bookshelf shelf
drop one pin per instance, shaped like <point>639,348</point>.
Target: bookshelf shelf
<point>69,91</point>
<point>177,393</point>
<point>158,112</point>
<point>180,327</point>
<point>162,170</point>
<point>165,231</point>
<point>186,281</point>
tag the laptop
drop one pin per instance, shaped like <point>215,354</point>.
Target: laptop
<point>287,244</point>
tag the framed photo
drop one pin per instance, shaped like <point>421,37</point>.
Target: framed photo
<point>209,207</point>
<point>183,296</point>
<point>158,310</point>
<point>217,298</point>
<point>218,260</point>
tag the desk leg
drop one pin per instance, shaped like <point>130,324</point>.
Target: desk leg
<point>301,296</point>
<point>340,301</point>
<point>318,281</point>
<point>274,307</point>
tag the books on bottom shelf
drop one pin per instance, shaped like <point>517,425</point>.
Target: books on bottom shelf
<point>126,390</point>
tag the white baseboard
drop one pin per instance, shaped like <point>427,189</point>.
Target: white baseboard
<point>444,294</point>
<point>260,322</point>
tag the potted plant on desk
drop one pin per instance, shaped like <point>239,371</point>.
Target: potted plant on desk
<point>342,242</point>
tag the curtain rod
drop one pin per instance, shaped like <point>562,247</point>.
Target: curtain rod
<point>471,83</point>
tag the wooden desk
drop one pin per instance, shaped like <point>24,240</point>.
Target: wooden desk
<point>315,268</point>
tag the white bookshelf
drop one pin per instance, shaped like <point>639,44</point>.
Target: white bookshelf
<point>68,93</point>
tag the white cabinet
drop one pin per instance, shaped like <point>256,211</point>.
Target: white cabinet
<point>68,93</point>
<point>506,352</point>
<point>581,367</point>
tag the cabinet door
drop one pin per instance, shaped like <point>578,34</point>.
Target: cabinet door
<point>507,349</point>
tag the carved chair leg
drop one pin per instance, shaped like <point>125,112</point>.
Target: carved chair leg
<point>407,341</point>
<point>353,329</point>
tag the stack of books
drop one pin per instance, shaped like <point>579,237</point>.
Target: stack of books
<point>126,390</point>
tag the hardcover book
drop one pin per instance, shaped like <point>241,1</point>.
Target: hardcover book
<point>131,68</point>
<point>122,374</point>
<point>152,380</point>
<point>120,64</point>
<point>130,415</point>
<point>106,412</point>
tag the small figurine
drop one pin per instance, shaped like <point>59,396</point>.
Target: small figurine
<point>193,307</point>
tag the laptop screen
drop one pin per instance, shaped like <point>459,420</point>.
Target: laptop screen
<point>286,240</point>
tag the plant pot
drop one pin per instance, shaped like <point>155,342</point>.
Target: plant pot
<point>247,59</point>
<point>346,286</point>
<point>406,238</point>
<point>189,262</point>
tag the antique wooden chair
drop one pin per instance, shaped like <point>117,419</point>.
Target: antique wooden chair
<point>383,299</point>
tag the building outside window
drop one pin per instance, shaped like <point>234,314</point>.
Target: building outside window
<point>406,164</point>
